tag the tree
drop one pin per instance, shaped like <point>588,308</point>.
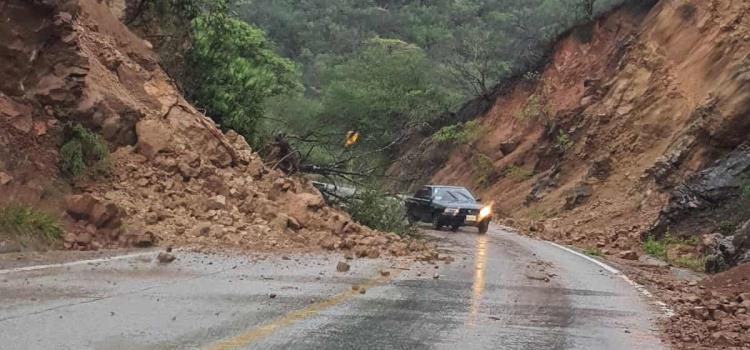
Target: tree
<point>476,61</point>
<point>385,88</point>
<point>232,69</point>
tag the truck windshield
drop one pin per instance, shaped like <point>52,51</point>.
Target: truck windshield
<point>453,195</point>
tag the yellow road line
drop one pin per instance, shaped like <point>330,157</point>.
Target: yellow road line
<point>252,335</point>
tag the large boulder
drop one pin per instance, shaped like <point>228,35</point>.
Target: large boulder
<point>87,208</point>
<point>153,137</point>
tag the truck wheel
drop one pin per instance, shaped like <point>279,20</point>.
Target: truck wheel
<point>455,228</point>
<point>484,226</point>
<point>436,222</point>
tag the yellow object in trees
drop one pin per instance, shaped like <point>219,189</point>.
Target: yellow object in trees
<point>351,138</point>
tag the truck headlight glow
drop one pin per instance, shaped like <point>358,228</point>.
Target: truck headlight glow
<point>485,212</point>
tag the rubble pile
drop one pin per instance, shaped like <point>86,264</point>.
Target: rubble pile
<point>172,177</point>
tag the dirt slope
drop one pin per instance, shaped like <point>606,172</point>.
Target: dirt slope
<point>639,131</point>
<point>173,178</point>
<point>592,149</point>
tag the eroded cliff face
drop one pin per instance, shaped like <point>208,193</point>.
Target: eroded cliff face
<point>590,152</point>
<point>173,178</point>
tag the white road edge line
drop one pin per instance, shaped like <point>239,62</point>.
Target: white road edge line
<point>75,263</point>
<point>668,312</point>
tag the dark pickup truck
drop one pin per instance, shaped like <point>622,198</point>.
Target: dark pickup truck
<point>448,206</point>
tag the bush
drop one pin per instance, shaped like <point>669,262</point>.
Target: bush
<point>563,140</point>
<point>484,168</point>
<point>461,133</point>
<point>518,173</point>
<point>82,150</point>
<point>379,211</point>
<point>655,248</point>
<point>593,252</point>
<point>534,109</point>
<point>26,223</point>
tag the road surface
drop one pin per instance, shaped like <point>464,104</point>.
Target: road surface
<point>503,291</point>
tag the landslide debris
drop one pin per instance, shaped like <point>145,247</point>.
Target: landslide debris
<point>172,178</point>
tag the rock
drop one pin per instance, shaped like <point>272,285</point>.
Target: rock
<point>144,240</point>
<point>217,202</point>
<point>385,273</point>
<point>84,238</point>
<point>342,266</point>
<point>628,255</point>
<point>362,291</point>
<point>272,296</point>
<point>355,287</point>
<point>436,276</point>
<point>509,146</point>
<point>743,297</point>
<point>577,196</point>
<point>373,253</point>
<point>600,168</point>
<point>5,178</point>
<point>153,137</point>
<point>165,258</point>
<point>328,243</point>
<point>86,207</point>
<point>9,247</point>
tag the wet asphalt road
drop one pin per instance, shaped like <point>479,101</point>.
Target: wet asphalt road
<point>493,296</point>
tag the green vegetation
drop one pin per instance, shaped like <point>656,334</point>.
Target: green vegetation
<point>727,227</point>
<point>692,263</point>
<point>483,167</point>
<point>534,109</point>
<point>233,69</point>
<point>379,211</point>
<point>537,214</point>
<point>593,252</point>
<point>563,140</point>
<point>28,224</point>
<point>658,249</point>
<point>82,151</point>
<point>518,173</point>
<point>461,133</point>
<point>655,248</point>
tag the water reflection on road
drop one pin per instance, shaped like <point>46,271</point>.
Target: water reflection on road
<point>480,258</point>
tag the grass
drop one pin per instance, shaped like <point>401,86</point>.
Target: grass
<point>593,252</point>
<point>461,133</point>
<point>658,249</point>
<point>655,248</point>
<point>484,169</point>
<point>26,223</point>
<point>518,173</point>
<point>695,264</point>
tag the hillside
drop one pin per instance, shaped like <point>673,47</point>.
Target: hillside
<point>98,146</point>
<point>630,141</point>
<point>605,147</point>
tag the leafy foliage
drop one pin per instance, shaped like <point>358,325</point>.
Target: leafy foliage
<point>655,248</point>
<point>233,69</point>
<point>379,211</point>
<point>483,167</point>
<point>82,150</point>
<point>462,133</point>
<point>27,223</point>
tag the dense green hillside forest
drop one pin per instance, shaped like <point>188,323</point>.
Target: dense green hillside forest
<point>382,66</point>
<point>306,72</point>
